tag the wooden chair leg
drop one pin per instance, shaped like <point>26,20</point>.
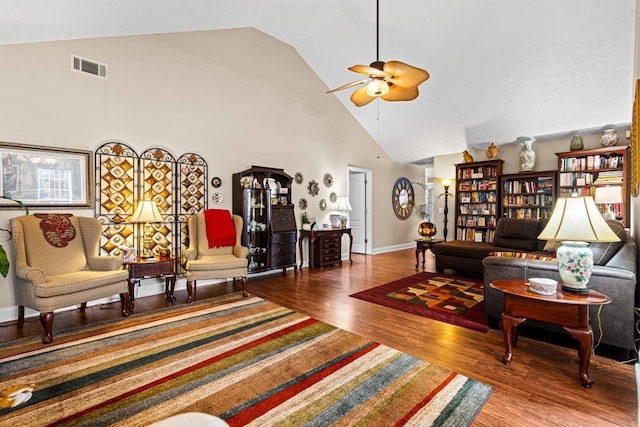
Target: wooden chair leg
<point>46,319</point>
<point>20,316</point>
<point>245,281</point>
<point>124,304</point>
<point>83,307</point>
<point>190,285</point>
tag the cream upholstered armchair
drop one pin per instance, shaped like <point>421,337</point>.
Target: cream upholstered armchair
<point>57,265</point>
<point>202,262</point>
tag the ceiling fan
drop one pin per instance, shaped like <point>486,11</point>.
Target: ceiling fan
<point>391,81</point>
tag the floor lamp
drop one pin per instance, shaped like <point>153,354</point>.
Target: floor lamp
<point>445,183</point>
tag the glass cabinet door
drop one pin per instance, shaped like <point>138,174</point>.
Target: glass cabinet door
<point>257,211</point>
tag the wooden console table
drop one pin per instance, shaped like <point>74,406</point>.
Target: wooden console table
<point>143,268</point>
<point>569,310</point>
<point>328,245</point>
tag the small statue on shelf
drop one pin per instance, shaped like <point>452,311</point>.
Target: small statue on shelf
<point>609,138</point>
<point>468,158</point>
<point>492,151</point>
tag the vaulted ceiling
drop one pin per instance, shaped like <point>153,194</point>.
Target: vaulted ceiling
<point>500,69</point>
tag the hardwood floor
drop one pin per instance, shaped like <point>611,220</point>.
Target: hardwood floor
<point>540,387</point>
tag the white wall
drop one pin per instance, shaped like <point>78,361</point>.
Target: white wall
<point>236,97</point>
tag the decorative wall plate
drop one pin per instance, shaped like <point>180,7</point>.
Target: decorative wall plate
<point>333,197</point>
<point>302,204</point>
<point>327,179</point>
<point>323,205</point>
<point>313,188</point>
<point>216,198</point>
<point>216,182</point>
<point>402,198</point>
<point>299,178</point>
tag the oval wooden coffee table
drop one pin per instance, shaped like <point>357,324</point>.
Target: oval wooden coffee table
<point>569,310</point>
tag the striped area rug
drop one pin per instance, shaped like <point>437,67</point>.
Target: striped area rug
<point>247,361</point>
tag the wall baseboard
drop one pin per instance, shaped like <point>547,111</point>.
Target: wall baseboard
<point>144,288</point>
<point>393,248</point>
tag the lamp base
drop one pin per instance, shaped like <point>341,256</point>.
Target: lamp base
<point>572,290</point>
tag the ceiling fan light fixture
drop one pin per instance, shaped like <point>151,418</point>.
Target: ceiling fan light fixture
<point>391,81</point>
<point>378,87</point>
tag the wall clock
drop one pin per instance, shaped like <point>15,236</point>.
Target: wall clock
<point>402,198</point>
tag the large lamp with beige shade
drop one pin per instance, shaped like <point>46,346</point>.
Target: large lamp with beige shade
<point>576,221</point>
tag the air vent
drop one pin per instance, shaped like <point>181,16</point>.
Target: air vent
<point>88,66</point>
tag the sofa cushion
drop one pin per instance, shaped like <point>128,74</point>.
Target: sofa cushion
<point>463,249</point>
<point>519,234</point>
<point>524,255</point>
<point>604,251</point>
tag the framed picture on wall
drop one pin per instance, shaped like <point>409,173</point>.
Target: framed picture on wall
<point>40,176</point>
<point>335,221</point>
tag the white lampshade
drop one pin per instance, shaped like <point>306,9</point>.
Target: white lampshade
<point>343,204</point>
<point>576,221</point>
<point>577,218</point>
<point>146,211</point>
<point>608,194</point>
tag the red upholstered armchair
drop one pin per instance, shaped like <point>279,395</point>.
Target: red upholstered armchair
<point>57,265</point>
<point>203,263</point>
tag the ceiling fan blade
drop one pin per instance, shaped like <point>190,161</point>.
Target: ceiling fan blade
<point>405,75</point>
<point>370,71</point>
<point>360,97</point>
<point>348,85</point>
<point>397,93</point>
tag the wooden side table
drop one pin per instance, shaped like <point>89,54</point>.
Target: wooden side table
<point>146,268</point>
<point>421,246</point>
<point>569,310</point>
<point>314,235</point>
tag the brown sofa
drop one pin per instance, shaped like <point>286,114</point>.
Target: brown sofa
<point>511,235</point>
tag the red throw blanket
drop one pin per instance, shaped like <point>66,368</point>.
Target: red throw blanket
<point>220,228</point>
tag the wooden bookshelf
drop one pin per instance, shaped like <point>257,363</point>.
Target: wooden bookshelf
<point>582,171</point>
<point>477,200</point>
<point>528,195</point>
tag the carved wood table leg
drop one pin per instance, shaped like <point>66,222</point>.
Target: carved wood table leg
<point>585,338</point>
<point>169,287</point>
<point>132,298</point>
<point>509,330</point>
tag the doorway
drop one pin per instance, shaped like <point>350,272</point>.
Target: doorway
<point>360,218</point>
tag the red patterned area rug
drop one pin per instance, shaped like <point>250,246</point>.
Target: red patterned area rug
<point>455,300</point>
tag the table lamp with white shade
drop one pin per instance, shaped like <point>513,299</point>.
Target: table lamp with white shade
<point>344,207</point>
<point>576,221</point>
<point>607,195</point>
<point>146,212</point>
